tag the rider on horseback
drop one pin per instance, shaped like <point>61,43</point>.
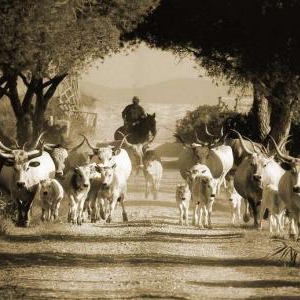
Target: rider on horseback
<point>133,113</point>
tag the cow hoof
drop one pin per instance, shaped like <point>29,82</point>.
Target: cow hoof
<point>108,220</point>
<point>246,218</point>
<point>293,236</point>
<point>125,218</point>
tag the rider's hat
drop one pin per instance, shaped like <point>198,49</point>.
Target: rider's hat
<point>135,99</point>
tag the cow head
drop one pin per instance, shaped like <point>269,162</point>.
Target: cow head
<point>293,165</point>
<point>104,156</point>
<point>256,162</point>
<point>46,190</point>
<point>194,171</point>
<point>207,186</point>
<point>22,163</point>
<point>183,192</point>
<point>59,155</point>
<point>107,175</point>
<point>81,177</point>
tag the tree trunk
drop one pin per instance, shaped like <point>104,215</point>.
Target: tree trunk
<point>281,117</point>
<point>261,110</point>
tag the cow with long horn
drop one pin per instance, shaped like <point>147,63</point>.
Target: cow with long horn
<point>21,173</point>
<point>289,189</point>
<point>256,171</point>
<point>219,159</point>
<point>109,155</point>
<point>60,155</point>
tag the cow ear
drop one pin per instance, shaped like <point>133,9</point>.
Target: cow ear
<point>9,163</point>
<point>34,164</point>
<point>286,166</point>
<point>98,169</point>
<point>153,115</point>
<point>116,151</point>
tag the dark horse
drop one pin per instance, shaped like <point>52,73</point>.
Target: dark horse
<point>143,131</point>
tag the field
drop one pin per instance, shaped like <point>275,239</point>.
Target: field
<point>150,257</point>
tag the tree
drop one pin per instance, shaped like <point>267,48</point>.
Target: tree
<point>43,41</point>
<point>247,43</point>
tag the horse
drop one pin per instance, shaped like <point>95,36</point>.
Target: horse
<point>143,131</point>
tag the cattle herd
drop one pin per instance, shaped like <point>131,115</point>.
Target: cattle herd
<point>267,182</point>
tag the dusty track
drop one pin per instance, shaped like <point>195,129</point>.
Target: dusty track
<point>149,257</point>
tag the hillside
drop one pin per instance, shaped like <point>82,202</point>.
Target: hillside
<point>192,91</point>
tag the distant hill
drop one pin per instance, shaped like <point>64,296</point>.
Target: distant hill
<point>189,91</point>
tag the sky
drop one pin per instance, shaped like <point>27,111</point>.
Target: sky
<point>141,67</point>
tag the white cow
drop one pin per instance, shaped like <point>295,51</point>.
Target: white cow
<point>235,201</point>
<point>113,189</point>
<point>21,174</point>
<point>77,186</point>
<point>276,207</point>
<point>203,194</point>
<point>183,197</point>
<point>191,174</point>
<point>111,156</point>
<point>153,171</point>
<point>51,194</point>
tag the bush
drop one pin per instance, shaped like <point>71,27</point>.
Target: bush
<point>215,118</point>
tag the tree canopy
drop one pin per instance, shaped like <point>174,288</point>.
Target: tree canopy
<point>244,42</point>
<point>42,41</point>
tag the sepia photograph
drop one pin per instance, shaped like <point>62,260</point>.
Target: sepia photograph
<point>149,149</point>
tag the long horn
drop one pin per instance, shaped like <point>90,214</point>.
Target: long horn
<point>16,144</point>
<point>197,139</point>
<point>207,132</point>
<point>89,144</point>
<point>284,141</point>
<point>280,154</point>
<point>6,155</point>
<point>222,131</point>
<point>2,147</point>
<point>76,147</point>
<point>177,136</point>
<point>253,145</point>
<point>242,142</point>
<point>34,146</point>
<point>36,153</point>
<point>124,140</point>
<point>50,147</point>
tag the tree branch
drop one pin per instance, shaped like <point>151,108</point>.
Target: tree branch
<point>53,80</point>
<point>23,77</point>
<point>27,100</point>
<point>51,90</point>
<point>3,90</point>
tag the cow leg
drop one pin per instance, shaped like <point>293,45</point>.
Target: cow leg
<point>246,216</point>
<point>80,206</point>
<point>43,214</point>
<point>147,189</point>
<point>94,201</point>
<point>261,215</point>
<point>200,214</point>
<point>195,213</point>
<point>186,214</point>
<point>73,210</point>
<point>112,206</point>
<point>233,209</point>
<point>253,206</point>
<point>124,214</point>
<point>181,214</point>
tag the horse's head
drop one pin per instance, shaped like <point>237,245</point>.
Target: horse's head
<point>151,123</point>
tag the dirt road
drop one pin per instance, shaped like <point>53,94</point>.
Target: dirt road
<point>149,257</point>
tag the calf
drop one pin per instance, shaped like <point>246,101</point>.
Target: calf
<point>203,194</point>
<point>113,189</point>
<point>77,186</point>
<point>235,201</point>
<point>183,197</point>
<point>153,171</point>
<point>276,207</point>
<point>51,193</point>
